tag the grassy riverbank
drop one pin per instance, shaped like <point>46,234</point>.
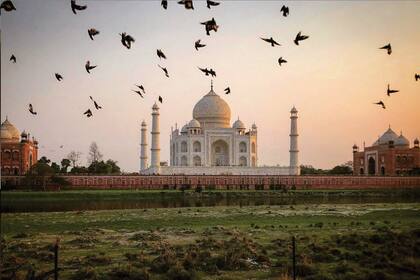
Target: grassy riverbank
<point>343,241</point>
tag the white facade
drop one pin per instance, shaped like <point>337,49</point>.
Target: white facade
<point>208,144</point>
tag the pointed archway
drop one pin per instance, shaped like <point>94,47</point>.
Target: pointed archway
<point>371,166</point>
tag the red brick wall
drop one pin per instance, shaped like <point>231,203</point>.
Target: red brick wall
<point>235,182</point>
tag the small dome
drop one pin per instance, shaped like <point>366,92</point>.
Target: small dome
<point>194,124</point>
<point>184,129</point>
<point>294,110</point>
<point>143,123</point>
<point>355,146</point>
<point>24,134</point>
<point>402,141</point>
<point>9,133</point>
<point>254,126</point>
<point>389,135</point>
<point>238,124</point>
<point>155,107</point>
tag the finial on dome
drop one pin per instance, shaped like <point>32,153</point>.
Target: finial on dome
<point>211,85</point>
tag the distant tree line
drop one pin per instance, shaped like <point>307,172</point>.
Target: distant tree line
<point>45,172</point>
<point>342,169</point>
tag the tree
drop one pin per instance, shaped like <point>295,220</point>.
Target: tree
<point>114,167</point>
<point>94,153</point>
<point>74,157</point>
<point>101,167</point>
<point>44,159</point>
<point>79,170</point>
<point>55,167</point>
<point>42,171</point>
<point>65,164</point>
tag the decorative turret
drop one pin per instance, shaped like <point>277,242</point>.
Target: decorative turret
<point>355,148</point>
<point>416,143</point>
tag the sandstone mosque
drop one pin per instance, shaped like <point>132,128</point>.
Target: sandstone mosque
<point>210,145</point>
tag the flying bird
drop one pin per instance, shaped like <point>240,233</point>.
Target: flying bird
<point>227,90</point>
<point>380,103</point>
<point>89,67</point>
<point>417,76</point>
<point>210,25</point>
<point>285,10</point>
<point>271,41</point>
<point>212,3</point>
<point>88,113</point>
<point>164,4</point>
<point>199,45</point>
<point>58,77</point>
<point>126,40</point>
<point>300,37</point>
<point>281,60</point>
<point>61,146</point>
<point>160,54</point>
<point>387,48</point>
<point>13,58</point>
<point>142,88</point>
<point>160,99</point>
<point>212,73</point>
<point>208,71</point>
<point>138,92</point>
<point>96,104</point>
<point>31,110</point>
<point>188,4</point>
<point>75,7</point>
<point>92,32</point>
<point>389,91</point>
<point>164,70</point>
<point>7,6</point>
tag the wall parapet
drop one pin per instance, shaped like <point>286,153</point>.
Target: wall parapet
<point>230,181</point>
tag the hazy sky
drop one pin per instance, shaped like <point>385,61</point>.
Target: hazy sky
<point>332,78</point>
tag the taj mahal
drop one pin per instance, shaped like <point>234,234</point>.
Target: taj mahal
<point>208,144</point>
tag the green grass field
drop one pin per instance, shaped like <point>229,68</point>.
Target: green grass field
<point>334,241</point>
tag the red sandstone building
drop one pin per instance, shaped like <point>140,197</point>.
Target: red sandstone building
<point>389,155</point>
<point>18,151</point>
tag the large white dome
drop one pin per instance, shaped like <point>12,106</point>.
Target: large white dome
<point>9,133</point>
<point>212,111</point>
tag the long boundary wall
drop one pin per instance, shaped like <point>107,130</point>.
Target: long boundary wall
<point>230,181</point>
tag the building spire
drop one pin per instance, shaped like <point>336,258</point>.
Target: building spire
<point>211,85</point>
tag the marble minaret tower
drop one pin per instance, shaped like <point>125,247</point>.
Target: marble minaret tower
<point>294,151</point>
<point>155,161</point>
<point>143,147</point>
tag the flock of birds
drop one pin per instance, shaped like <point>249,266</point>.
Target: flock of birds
<point>210,25</point>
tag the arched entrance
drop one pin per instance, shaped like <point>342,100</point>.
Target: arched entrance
<point>383,170</point>
<point>219,153</point>
<point>371,166</point>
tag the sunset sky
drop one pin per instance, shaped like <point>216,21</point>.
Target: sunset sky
<point>332,78</point>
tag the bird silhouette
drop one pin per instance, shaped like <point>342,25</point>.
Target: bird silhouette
<point>212,73</point>
<point>205,71</point>
<point>380,103</point>
<point>198,45</point>
<point>285,10</point>
<point>160,99</point>
<point>281,60</point>
<point>7,6</point>
<point>210,25</point>
<point>138,92</point>
<point>58,77</point>
<point>13,58</point>
<point>300,37</point>
<point>88,113</point>
<point>389,91</point>
<point>89,67</point>
<point>227,90</point>
<point>387,48</point>
<point>126,40</point>
<point>188,4</point>
<point>95,103</point>
<point>92,32</point>
<point>164,70</point>
<point>141,87</point>
<point>75,7</point>
<point>417,77</point>
<point>164,4</point>
<point>212,3</point>
<point>271,41</point>
<point>160,54</point>
<point>31,110</point>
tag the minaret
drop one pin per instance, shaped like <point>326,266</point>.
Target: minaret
<point>294,152</point>
<point>143,147</point>
<point>155,162</point>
